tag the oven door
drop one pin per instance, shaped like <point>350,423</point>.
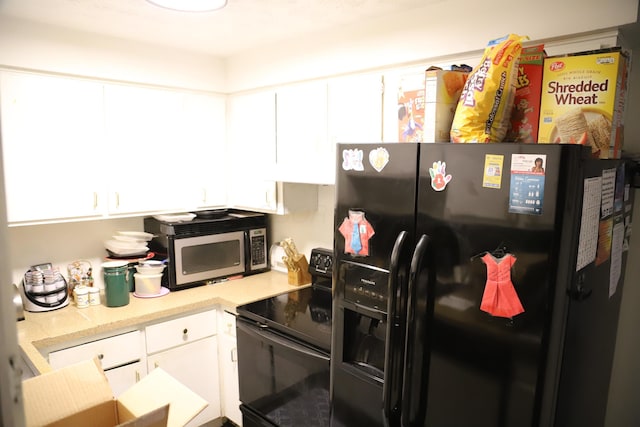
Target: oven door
<point>208,257</point>
<point>283,382</point>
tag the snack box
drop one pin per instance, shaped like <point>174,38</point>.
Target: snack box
<point>411,108</point>
<point>442,90</point>
<point>80,395</point>
<point>583,97</point>
<point>526,105</point>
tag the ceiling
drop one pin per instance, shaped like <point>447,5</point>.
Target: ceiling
<point>241,25</point>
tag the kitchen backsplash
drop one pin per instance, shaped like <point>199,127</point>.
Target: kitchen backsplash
<point>61,244</point>
<point>308,229</point>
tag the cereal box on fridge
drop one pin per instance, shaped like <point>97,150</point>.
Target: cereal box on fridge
<point>583,98</point>
<point>411,108</point>
<point>441,93</point>
<point>526,104</point>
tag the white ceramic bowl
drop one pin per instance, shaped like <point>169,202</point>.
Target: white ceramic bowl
<point>148,284</point>
<point>150,267</point>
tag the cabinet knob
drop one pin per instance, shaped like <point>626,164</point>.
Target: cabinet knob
<point>185,331</point>
<point>100,356</point>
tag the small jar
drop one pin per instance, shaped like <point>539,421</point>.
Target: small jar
<point>81,296</point>
<point>94,296</point>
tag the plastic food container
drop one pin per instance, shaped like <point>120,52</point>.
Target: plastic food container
<point>148,284</point>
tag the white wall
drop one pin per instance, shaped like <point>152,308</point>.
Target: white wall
<point>623,409</point>
<point>61,244</point>
<point>432,34</point>
<point>24,44</point>
<point>308,229</point>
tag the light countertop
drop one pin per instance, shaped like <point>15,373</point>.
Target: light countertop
<point>71,325</point>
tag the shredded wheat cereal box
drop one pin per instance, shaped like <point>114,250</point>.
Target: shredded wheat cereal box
<point>583,98</point>
<point>526,105</point>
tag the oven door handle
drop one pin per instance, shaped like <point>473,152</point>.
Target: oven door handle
<point>271,337</point>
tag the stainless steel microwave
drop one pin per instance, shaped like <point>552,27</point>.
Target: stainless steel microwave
<point>214,245</point>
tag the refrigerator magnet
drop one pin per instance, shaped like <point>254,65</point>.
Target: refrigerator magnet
<point>526,191</point>
<point>379,158</point>
<point>439,177</point>
<point>357,232</point>
<point>499,298</point>
<point>493,171</point>
<point>352,159</point>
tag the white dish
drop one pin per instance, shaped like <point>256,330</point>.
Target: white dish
<point>140,235</point>
<point>163,291</point>
<point>119,251</point>
<point>120,238</point>
<point>183,217</point>
<point>120,244</point>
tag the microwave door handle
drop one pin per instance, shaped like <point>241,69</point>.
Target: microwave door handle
<point>416,361</point>
<point>393,357</point>
<point>272,338</point>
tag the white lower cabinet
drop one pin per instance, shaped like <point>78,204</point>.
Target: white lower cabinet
<point>187,349</point>
<point>228,364</point>
<point>122,358</point>
<point>123,377</point>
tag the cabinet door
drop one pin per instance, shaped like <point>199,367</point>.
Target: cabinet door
<point>230,383</point>
<point>203,158</point>
<point>122,378</point>
<point>303,150</point>
<point>52,128</point>
<point>228,358</point>
<point>252,146</point>
<point>144,141</point>
<point>196,366</point>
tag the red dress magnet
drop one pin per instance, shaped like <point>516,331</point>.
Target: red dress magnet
<point>500,298</point>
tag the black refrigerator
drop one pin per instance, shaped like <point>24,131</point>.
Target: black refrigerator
<point>476,284</point>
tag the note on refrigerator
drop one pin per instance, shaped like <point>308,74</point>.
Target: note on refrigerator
<point>588,243</point>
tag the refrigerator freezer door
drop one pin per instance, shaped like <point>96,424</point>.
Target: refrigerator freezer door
<point>484,367</point>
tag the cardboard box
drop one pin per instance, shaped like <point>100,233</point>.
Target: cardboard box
<point>80,395</point>
<point>526,104</point>
<point>583,100</point>
<point>411,108</point>
<point>442,91</point>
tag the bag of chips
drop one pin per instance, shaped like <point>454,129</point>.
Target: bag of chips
<point>484,107</point>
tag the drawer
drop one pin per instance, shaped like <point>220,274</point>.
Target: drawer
<point>180,331</point>
<point>113,351</point>
<point>227,323</point>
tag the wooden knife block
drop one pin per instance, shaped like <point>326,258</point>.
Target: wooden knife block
<point>301,276</point>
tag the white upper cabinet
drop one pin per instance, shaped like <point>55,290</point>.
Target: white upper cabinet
<point>251,125</point>
<point>145,150</point>
<point>52,128</point>
<point>203,159</point>
<point>303,151</point>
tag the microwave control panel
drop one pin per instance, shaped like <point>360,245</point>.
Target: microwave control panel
<point>258,248</point>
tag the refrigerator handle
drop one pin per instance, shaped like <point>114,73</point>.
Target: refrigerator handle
<point>393,357</point>
<point>416,357</point>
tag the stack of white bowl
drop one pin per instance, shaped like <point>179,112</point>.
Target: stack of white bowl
<point>149,277</point>
<point>128,243</point>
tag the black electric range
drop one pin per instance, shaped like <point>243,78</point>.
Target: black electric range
<point>284,347</point>
<point>304,314</point>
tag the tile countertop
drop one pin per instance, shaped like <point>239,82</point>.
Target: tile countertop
<point>70,325</point>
